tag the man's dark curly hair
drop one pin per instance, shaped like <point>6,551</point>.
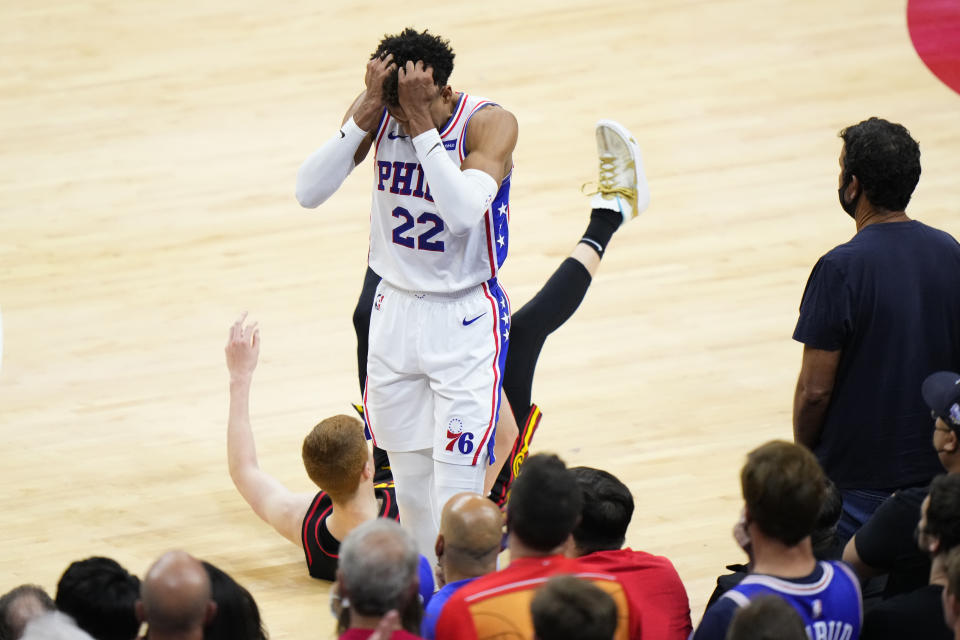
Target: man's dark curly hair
<point>414,45</point>
<point>885,159</point>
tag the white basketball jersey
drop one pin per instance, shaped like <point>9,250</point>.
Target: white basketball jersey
<point>410,245</point>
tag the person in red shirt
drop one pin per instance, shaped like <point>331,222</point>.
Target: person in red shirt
<point>543,508</point>
<point>651,582</point>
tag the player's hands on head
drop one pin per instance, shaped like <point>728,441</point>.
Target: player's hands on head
<point>243,348</point>
<point>415,91</point>
<point>377,71</point>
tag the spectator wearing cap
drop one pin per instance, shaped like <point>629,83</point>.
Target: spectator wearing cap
<point>920,614</point>
<point>885,544</point>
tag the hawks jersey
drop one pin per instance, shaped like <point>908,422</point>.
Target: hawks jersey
<point>410,244</point>
<point>320,548</point>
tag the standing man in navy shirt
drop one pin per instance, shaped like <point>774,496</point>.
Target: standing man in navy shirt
<point>879,314</point>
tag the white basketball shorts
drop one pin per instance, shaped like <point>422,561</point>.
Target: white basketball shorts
<point>435,369</point>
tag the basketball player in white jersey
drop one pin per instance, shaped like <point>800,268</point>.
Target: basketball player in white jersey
<point>439,328</point>
<point>440,323</point>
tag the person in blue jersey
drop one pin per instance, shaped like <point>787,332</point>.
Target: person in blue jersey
<point>878,314</point>
<point>783,489</point>
<point>471,533</point>
<point>439,330</point>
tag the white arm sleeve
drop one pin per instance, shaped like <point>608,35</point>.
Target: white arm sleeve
<point>325,169</point>
<point>462,197</point>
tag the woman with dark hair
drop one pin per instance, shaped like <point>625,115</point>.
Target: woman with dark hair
<point>238,617</point>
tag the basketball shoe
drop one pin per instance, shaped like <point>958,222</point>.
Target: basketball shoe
<point>622,184</point>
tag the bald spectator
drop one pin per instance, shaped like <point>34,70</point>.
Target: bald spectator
<point>19,606</point>
<point>567,608</point>
<point>471,531</point>
<point>767,618</point>
<point>378,574</point>
<point>651,582</point>
<point>100,595</point>
<point>175,598</point>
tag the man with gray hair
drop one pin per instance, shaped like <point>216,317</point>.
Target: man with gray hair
<point>378,573</point>
<point>19,606</point>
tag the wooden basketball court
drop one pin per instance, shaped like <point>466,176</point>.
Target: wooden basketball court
<point>147,168</point>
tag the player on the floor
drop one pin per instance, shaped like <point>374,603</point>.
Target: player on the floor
<point>438,236</point>
<point>622,194</point>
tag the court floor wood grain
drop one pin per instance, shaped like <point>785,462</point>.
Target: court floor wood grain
<point>147,168</point>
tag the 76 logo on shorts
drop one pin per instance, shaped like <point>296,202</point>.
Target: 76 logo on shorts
<point>457,438</point>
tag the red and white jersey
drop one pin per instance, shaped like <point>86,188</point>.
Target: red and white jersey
<point>410,245</point>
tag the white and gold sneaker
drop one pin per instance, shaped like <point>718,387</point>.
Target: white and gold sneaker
<point>622,184</point>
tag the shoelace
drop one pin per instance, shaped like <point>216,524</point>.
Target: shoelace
<point>605,186</point>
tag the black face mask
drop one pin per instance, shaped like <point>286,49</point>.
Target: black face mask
<point>849,207</point>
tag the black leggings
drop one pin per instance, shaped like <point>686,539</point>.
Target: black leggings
<point>529,327</point>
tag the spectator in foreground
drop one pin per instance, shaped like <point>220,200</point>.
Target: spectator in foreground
<point>951,594</point>
<point>378,574</point>
<point>920,613</point>
<point>767,618</point>
<point>471,531</point>
<point>100,595</point>
<point>783,490</point>
<point>885,545</point>
<point>567,608</point>
<point>175,598</point>
<point>19,606</point>
<point>238,616</point>
<point>652,584</point>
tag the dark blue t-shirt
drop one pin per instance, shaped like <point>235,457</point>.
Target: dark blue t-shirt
<point>890,300</point>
